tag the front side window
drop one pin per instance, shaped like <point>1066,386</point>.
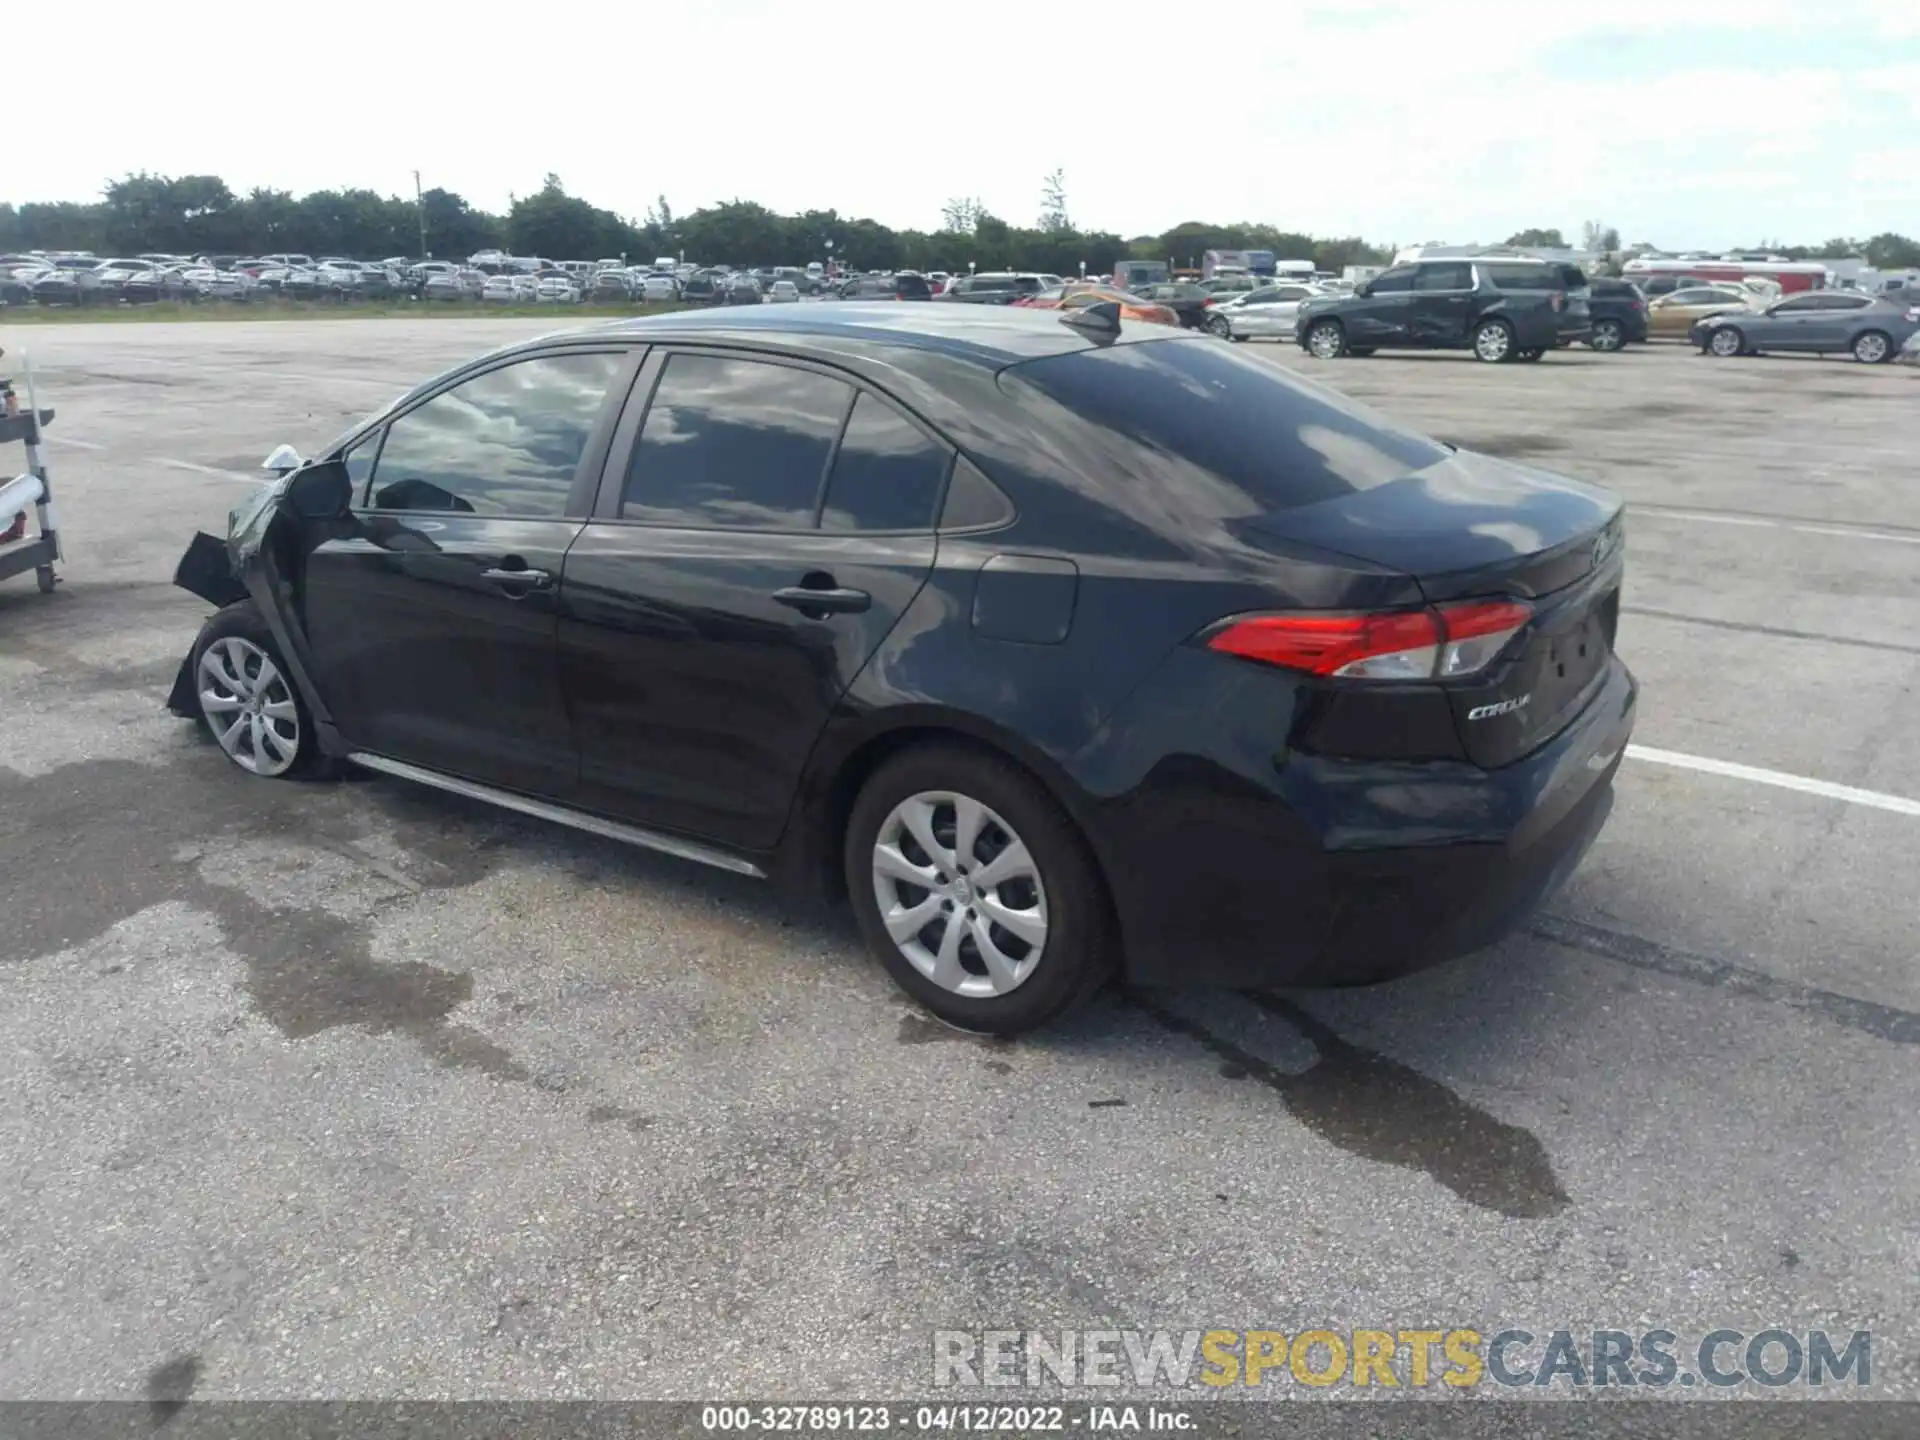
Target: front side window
<point>505,443</point>
<point>734,444</point>
<point>1393,282</point>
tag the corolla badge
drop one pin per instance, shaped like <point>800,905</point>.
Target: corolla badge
<point>1499,707</point>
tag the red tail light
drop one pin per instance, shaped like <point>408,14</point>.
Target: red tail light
<point>1392,645</point>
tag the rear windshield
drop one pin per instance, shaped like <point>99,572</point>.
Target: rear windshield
<point>1202,418</point>
<point>912,285</point>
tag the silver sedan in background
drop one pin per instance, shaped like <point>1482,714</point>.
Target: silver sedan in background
<point>1265,314</point>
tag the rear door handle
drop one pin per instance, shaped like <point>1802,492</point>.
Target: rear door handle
<point>833,601</point>
<point>519,579</point>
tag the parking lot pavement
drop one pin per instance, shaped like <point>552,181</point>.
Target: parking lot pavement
<point>357,1090</point>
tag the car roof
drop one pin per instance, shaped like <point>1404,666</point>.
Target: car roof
<point>992,336</point>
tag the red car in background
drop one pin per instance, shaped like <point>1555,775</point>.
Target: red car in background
<point>1073,296</point>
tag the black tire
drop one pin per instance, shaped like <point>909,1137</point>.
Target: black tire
<point>243,621</point>
<point>1873,347</point>
<point>1077,955</point>
<point>1333,340</point>
<point>1220,325</point>
<point>1492,342</point>
<point>1607,336</point>
<point>1714,347</point>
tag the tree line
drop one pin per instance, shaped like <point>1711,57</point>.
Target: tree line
<point>202,215</point>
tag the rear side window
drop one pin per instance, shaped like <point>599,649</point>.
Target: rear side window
<point>1444,277</point>
<point>734,444</point>
<point>1184,421</point>
<point>913,285</point>
<point>503,443</point>
<point>886,475</point>
<point>1526,277</point>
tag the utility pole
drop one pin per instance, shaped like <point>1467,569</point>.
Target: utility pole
<point>420,205</point>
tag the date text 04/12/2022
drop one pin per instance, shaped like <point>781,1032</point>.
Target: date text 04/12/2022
<point>947,1418</point>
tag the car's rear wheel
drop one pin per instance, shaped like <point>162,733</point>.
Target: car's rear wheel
<point>1607,336</point>
<point>1326,340</point>
<point>1872,347</point>
<point>247,698</point>
<point>1493,341</point>
<point>975,891</point>
<point>1726,342</point>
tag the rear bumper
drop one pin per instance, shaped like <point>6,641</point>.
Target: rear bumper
<point>1265,870</point>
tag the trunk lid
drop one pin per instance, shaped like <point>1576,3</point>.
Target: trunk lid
<point>1470,528</point>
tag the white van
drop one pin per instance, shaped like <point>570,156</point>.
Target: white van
<point>664,264</point>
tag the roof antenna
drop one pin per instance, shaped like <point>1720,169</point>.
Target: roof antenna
<point>1100,318</point>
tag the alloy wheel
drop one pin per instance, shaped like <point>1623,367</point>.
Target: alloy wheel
<point>249,706</point>
<point>1871,348</point>
<point>1325,340</point>
<point>959,894</point>
<point>1606,336</point>
<point>1725,342</point>
<point>1220,325</point>
<point>1492,341</point>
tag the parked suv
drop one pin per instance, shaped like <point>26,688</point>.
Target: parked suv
<point>1619,314</point>
<point>992,289</point>
<point>887,287</point>
<point>1507,308</point>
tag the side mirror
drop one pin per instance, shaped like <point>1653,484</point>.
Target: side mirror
<point>1365,287</point>
<point>320,492</point>
<point>283,459</point>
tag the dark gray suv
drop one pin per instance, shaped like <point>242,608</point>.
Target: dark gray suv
<point>1500,308</point>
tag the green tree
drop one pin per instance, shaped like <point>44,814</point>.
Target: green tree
<point>1546,239</point>
<point>455,229</point>
<point>1053,204</point>
<point>1892,252</point>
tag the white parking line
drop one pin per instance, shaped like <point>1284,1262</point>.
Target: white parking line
<point>1898,804</point>
<point>208,470</point>
<point>62,442</point>
<point>1804,527</point>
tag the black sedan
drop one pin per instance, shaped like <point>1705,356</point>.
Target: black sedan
<point>1059,645</point>
<point>1869,328</point>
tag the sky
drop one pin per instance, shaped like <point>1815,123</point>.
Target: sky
<point>1700,124</point>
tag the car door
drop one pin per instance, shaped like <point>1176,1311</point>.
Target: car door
<point>1442,303</point>
<point>762,524</point>
<point>1384,315</point>
<point>433,626</point>
<point>1793,324</point>
<point>1832,320</point>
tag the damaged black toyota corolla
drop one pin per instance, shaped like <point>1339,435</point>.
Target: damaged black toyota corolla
<point>1061,646</point>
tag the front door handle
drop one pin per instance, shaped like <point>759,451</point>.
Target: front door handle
<point>519,579</point>
<point>825,601</point>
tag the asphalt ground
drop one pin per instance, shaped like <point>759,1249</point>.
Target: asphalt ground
<point>357,1090</point>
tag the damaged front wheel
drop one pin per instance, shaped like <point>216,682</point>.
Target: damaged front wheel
<point>247,699</point>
